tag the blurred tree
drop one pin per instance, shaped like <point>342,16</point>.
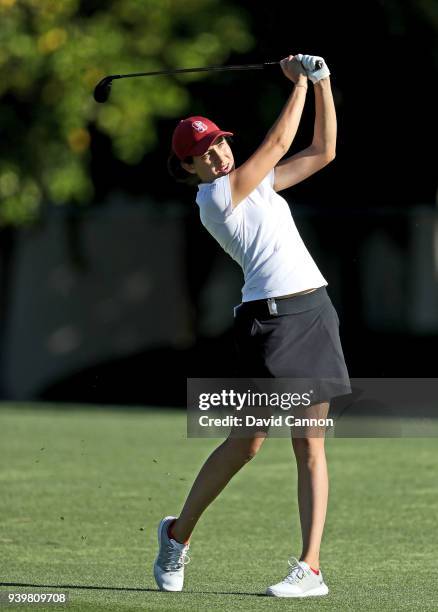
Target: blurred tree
<point>52,53</point>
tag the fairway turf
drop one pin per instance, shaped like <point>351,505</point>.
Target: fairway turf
<point>113,473</point>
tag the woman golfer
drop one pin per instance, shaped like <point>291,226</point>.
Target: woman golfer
<point>286,325</point>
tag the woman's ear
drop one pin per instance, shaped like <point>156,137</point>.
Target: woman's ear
<point>188,167</point>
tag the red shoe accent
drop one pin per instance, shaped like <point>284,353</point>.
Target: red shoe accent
<point>314,571</point>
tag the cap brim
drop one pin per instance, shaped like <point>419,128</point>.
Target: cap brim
<point>201,147</point>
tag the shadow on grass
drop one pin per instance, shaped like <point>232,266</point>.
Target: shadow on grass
<point>131,589</point>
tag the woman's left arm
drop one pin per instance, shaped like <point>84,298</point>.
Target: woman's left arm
<point>321,152</point>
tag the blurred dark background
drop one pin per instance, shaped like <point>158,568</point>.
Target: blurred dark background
<point>120,297</point>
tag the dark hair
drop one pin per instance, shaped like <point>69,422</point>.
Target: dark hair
<point>178,173</point>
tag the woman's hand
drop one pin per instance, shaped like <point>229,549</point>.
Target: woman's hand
<point>315,67</point>
<point>293,69</point>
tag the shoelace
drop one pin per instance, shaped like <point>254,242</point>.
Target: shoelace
<point>296,572</point>
<point>175,558</point>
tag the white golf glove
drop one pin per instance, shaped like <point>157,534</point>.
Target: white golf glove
<point>314,73</point>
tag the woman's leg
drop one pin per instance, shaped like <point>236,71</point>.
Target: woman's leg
<point>312,487</point>
<point>216,472</point>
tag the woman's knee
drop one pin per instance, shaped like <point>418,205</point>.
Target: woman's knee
<point>245,448</point>
<point>309,448</point>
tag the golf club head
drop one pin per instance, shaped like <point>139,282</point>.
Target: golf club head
<point>103,89</point>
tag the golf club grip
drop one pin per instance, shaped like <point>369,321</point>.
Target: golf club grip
<point>318,65</point>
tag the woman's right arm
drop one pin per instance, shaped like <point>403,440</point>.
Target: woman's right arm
<point>278,140</point>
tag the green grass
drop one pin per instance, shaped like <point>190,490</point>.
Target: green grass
<point>113,473</point>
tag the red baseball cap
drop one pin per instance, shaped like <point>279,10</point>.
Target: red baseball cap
<point>193,136</point>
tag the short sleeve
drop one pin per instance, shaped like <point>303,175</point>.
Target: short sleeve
<point>214,199</point>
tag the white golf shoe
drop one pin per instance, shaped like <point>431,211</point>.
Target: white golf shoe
<point>170,561</point>
<point>301,581</point>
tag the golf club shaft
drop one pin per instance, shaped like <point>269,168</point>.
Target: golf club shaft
<point>103,88</point>
<point>204,69</point>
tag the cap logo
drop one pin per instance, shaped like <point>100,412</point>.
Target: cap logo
<point>199,126</point>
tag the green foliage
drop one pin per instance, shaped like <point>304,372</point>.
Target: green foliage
<point>52,54</point>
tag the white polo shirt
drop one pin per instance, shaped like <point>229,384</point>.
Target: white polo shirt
<point>261,235</point>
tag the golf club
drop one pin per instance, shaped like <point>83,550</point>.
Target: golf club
<point>103,88</point>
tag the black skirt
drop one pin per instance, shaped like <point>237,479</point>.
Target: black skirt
<point>303,344</point>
